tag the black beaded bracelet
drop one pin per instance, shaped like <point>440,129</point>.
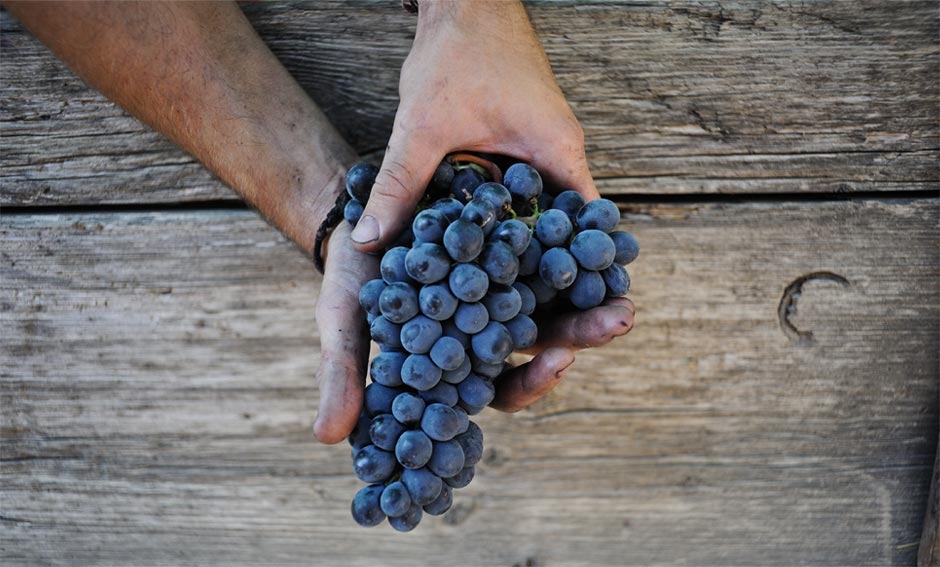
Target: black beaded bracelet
<point>333,218</point>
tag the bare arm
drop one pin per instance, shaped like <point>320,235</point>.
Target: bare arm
<point>198,73</point>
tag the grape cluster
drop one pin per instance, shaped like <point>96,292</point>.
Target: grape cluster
<point>457,295</point>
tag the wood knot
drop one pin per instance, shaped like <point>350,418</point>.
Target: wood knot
<point>787,307</point>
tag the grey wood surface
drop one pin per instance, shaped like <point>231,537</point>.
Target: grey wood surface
<point>679,97</point>
<point>158,398</point>
<point>776,403</point>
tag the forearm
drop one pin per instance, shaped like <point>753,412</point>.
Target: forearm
<point>198,73</point>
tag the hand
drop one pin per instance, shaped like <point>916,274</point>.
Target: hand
<point>344,342</point>
<point>476,80</point>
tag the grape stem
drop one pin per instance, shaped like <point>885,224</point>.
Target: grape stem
<point>491,168</point>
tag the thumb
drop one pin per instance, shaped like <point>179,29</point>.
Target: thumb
<point>405,173</point>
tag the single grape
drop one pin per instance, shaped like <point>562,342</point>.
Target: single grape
<point>398,302</point>
<point>385,333</point>
<point>502,302</point>
<point>558,268</point>
<point>485,369</point>
<point>493,344</point>
<point>427,262</point>
<point>413,449</point>
<point>471,442</point>
<point>392,265</point>
<point>423,485</point>
<point>593,249</point>
<point>523,330</point>
<point>475,392</point>
<point>441,504</point>
<point>530,258</point>
<point>385,431</point>
<point>408,407</point>
<point>526,297</point>
<point>448,353</point>
<point>523,181</point>
<point>545,201</point>
<point>481,213</point>
<point>446,458</point>
<point>588,290</point>
<point>377,399</point>
<point>617,280</point>
<point>419,334</point>
<point>569,202</point>
<point>407,521</point>
<point>359,180</point>
<point>463,240</point>
<point>395,499</point>
<point>369,296</point>
<point>627,247</point>
<point>499,262</point>
<point>457,375</point>
<point>372,464</point>
<point>353,211</point>
<point>601,214</point>
<point>553,228</point>
<point>468,283</point>
<point>462,478</point>
<point>462,416</point>
<point>542,291</point>
<point>360,436</point>
<point>440,422</point>
<point>437,302</point>
<point>420,372</point>
<point>366,506</point>
<point>471,318</point>
<point>449,207</point>
<point>513,232</point>
<point>496,194</point>
<point>465,183</point>
<point>441,393</point>
<point>429,226</point>
<point>385,368</point>
<point>443,176</point>
<point>405,238</point>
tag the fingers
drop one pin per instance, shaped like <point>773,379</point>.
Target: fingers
<point>524,384</point>
<point>584,329</point>
<point>344,339</point>
<point>406,170</point>
<point>562,160</point>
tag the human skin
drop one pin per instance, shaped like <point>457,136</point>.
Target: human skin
<point>198,73</point>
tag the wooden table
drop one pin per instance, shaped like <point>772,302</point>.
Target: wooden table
<point>776,403</point>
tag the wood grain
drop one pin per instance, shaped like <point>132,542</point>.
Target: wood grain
<point>675,98</point>
<point>157,391</point>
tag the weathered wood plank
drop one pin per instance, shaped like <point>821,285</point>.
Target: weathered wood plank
<point>928,553</point>
<point>684,97</point>
<point>157,391</point>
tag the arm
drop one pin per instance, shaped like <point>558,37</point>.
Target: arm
<point>198,73</point>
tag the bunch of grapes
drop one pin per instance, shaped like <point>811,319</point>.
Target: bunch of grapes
<point>485,253</point>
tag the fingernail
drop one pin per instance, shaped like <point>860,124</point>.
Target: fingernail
<point>560,371</point>
<point>367,230</point>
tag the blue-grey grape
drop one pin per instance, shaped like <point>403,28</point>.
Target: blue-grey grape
<point>395,500</point>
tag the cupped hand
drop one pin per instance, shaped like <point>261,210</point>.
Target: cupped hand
<point>344,342</point>
<point>478,80</point>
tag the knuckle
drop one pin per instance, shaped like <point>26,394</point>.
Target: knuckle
<point>394,181</point>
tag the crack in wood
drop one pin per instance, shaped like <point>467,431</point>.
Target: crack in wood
<point>787,307</point>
